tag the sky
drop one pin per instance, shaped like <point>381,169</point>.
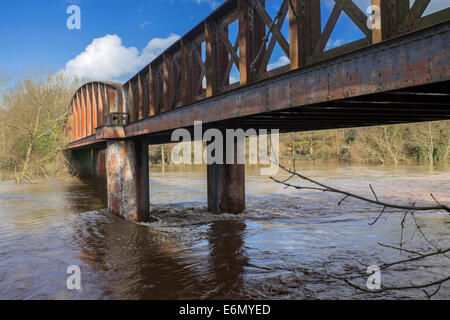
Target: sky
<point>118,38</point>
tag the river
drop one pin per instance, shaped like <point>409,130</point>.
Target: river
<point>289,244</point>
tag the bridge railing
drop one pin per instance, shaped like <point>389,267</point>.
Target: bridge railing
<point>199,65</point>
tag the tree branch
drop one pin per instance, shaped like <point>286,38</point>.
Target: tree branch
<point>326,188</point>
<point>418,286</point>
<point>410,209</point>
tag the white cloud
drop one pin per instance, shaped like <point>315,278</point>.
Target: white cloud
<point>107,58</point>
<point>333,44</point>
<point>144,24</point>
<point>156,46</point>
<point>282,61</point>
<point>213,3</point>
<point>234,79</point>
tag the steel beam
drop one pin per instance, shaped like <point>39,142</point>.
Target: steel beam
<point>415,59</point>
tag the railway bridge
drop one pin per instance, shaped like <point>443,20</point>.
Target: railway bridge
<point>398,72</point>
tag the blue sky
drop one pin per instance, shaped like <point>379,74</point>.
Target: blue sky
<point>34,33</point>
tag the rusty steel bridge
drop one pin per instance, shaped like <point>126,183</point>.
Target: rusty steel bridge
<point>398,73</point>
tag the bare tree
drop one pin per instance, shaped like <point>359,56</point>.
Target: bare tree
<point>447,149</point>
<point>383,144</point>
<point>432,140</point>
<point>34,113</point>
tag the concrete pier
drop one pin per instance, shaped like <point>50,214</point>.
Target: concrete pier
<point>128,179</point>
<point>125,165</point>
<point>226,186</point>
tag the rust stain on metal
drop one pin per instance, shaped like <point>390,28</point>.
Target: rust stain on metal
<point>116,132</point>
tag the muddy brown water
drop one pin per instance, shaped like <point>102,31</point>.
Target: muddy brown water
<point>287,245</point>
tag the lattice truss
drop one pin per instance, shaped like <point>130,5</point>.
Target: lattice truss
<point>237,45</point>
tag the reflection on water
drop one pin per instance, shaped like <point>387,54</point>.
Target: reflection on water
<point>284,246</point>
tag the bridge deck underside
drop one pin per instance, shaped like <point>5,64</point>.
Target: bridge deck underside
<point>403,80</point>
<point>417,104</point>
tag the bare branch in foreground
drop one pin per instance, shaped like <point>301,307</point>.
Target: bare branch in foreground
<point>410,209</point>
<point>413,286</point>
<point>438,283</point>
<point>325,188</point>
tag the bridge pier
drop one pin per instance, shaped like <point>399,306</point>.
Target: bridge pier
<point>226,186</point>
<point>128,179</point>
